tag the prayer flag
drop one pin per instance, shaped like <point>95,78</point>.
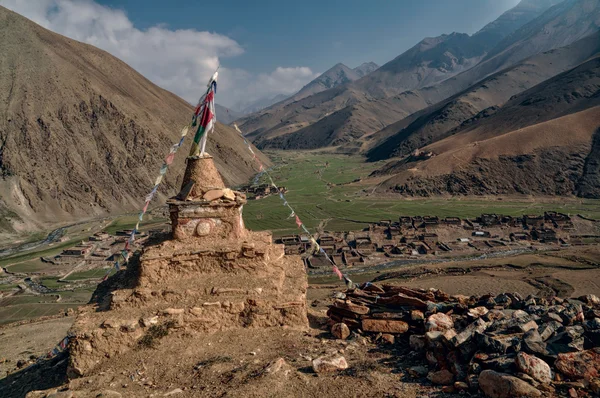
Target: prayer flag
<point>169,159</point>
<point>207,119</point>
<point>338,272</point>
<point>145,207</point>
<point>298,222</point>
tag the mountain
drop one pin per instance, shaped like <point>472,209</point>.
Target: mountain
<point>226,115</point>
<point>480,100</point>
<point>244,107</point>
<point>365,68</point>
<point>82,134</point>
<point>543,141</point>
<point>430,62</point>
<point>333,77</point>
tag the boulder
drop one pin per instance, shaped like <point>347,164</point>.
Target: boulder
<point>439,322</point>
<point>534,367</point>
<point>329,363</point>
<point>340,331</point>
<point>501,385</point>
<point>580,365</point>
<point>442,377</point>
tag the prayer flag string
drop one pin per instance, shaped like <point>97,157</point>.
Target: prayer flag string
<point>315,246</point>
<point>205,109</point>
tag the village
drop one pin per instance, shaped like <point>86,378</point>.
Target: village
<point>430,237</point>
<point>82,264</point>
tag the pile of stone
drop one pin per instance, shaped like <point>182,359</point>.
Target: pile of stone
<point>504,345</point>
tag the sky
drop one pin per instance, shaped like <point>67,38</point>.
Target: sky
<point>264,47</point>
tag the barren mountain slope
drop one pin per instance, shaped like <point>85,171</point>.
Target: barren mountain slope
<point>333,77</point>
<point>83,134</point>
<point>429,62</point>
<point>356,126</point>
<point>440,119</point>
<point>543,141</point>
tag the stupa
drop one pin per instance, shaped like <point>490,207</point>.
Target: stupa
<point>212,275</point>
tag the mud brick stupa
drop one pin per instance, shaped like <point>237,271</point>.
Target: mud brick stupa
<point>212,275</point>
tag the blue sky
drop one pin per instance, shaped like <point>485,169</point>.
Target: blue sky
<point>264,47</point>
<point>317,34</point>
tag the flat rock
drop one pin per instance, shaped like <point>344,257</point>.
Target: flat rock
<point>477,312</point>
<point>501,385</point>
<point>403,300</point>
<point>534,367</point>
<point>384,326</point>
<point>228,194</point>
<point>214,194</point>
<point>329,363</point>
<point>350,306</point>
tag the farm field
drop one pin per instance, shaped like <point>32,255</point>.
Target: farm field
<point>332,192</point>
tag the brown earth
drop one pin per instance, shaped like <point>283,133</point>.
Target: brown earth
<point>541,142</point>
<point>235,362</point>
<point>82,134</point>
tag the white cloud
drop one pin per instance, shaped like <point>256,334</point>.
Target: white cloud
<point>248,89</point>
<point>179,60</point>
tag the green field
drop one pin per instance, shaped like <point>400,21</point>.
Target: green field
<point>28,311</point>
<point>129,222</point>
<point>96,273</point>
<point>352,206</point>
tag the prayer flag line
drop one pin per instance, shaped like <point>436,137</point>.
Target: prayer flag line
<point>293,213</point>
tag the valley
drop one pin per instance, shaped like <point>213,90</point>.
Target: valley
<point>428,225</point>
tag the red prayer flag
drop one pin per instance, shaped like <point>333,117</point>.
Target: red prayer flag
<point>146,207</point>
<point>338,272</point>
<point>169,158</point>
<point>298,222</point>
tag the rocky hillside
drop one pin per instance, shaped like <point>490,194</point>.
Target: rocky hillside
<point>82,134</point>
<point>430,62</point>
<point>478,101</point>
<point>542,141</point>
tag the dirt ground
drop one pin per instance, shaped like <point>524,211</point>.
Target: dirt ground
<point>234,363</point>
<point>22,341</point>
